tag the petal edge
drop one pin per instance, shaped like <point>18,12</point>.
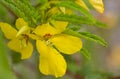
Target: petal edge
<point>67,44</point>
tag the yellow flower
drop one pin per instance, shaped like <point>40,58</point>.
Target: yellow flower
<point>97,4</point>
<point>51,42</point>
<point>81,3</point>
<point>19,40</point>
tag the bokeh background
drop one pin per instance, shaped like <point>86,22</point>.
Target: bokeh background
<point>104,62</point>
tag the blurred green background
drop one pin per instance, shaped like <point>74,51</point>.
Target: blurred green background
<point>104,62</point>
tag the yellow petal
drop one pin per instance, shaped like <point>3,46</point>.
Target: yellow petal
<point>53,10</point>
<point>26,52</point>
<point>62,9</point>
<point>67,44</point>
<point>51,62</point>
<point>23,30</point>
<point>8,30</point>
<point>98,5</point>
<point>45,29</point>
<point>20,23</point>
<point>60,26</point>
<point>33,36</point>
<point>54,65</point>
<point>81,3</point>
<point>15,45</point>
<point>41,47</point>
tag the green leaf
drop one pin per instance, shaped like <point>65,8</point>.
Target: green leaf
<point>74,27</point>
<point>5,70</point>
<point>75,19</point>
<point>93,37</point>
<point>100,24</point>
<point>23,9</point>
<point>85,53</point>
<point>12,6</point>
<point>87,36</point>
<point>74,6</point>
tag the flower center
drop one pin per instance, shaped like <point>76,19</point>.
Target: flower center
<point>26,37</point>
<point>47,36</point>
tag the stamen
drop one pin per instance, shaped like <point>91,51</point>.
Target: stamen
<point>49,43</point>
<point>26,37</point>
<point>47,36</point>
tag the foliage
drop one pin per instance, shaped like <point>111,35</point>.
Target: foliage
<point>44,11</point>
